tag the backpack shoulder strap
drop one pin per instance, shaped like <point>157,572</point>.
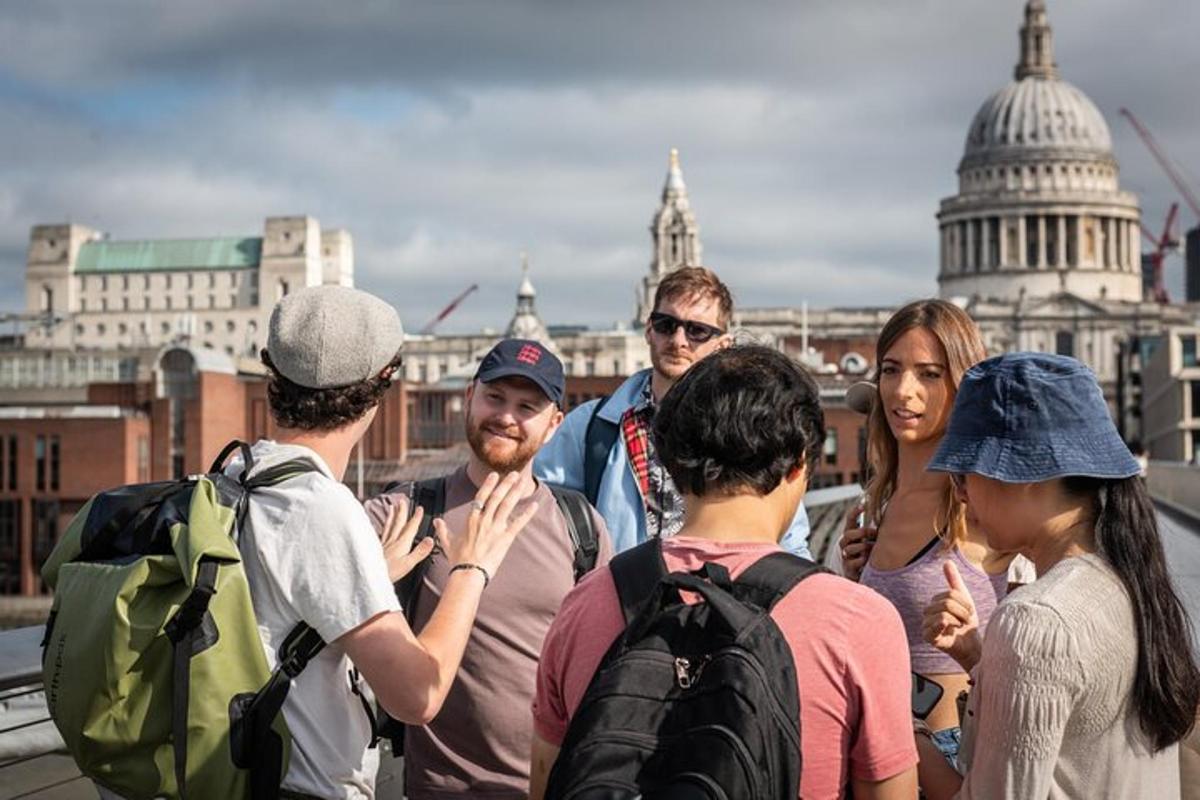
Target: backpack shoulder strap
<point>768,580</point>
<point>636,572</point>
<point>597,443</point>
<point>580,528</point>
<point>430,495</point>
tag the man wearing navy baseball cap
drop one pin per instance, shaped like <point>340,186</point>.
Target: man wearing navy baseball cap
<point>480,743</point>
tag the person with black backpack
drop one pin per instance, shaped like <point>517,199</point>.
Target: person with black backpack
<point>714,664</point>
<point>479,745</point>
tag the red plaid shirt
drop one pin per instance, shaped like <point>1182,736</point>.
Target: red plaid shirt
<point>661,500</point>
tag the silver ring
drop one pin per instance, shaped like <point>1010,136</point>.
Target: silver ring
<point>476,505</point>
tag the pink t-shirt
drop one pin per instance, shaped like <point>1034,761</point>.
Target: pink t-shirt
<point>848,644</point>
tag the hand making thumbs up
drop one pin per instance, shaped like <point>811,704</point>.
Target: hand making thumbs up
<point>950,623</point>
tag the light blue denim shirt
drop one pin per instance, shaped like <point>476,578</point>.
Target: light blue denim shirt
<point>619,500</point>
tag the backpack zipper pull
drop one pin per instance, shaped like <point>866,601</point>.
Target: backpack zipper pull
<point>681,673</point>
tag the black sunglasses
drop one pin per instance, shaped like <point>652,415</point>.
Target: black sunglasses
<point>696,332</point>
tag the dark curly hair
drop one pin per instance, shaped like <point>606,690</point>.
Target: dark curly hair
<point>296,406</point>
<point>741,418</point>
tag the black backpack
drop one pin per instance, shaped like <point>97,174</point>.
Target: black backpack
<point>693,700</point>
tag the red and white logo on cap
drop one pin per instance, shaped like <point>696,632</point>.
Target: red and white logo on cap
<point>530,354</point>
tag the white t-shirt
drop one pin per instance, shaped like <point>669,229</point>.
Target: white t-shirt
<point>311,554</point>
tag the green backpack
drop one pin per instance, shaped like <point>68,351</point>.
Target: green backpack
<point>154,670</point>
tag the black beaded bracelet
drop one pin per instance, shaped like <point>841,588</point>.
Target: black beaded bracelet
<point>486,578</point>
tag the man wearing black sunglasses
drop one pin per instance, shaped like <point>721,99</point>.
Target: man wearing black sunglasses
<point>604,447</point>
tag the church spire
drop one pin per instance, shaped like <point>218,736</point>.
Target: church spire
<point>674,184</point>
<point>1037,44</point>
<point>526,324</point>
<point>675,234</point>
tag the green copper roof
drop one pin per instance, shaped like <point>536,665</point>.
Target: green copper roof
<point>169,254</point>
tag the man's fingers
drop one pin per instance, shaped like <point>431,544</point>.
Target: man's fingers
<point>441,533</point>
<point>409,532</point>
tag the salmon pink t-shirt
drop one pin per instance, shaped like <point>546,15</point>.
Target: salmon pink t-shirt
<point>848,644</point>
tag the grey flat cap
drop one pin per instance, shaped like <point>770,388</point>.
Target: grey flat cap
<point>322,337</point>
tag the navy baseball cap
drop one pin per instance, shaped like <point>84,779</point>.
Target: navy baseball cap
<point>1031,417</point>
<point>524,358</point>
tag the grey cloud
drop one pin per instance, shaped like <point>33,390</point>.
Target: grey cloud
<point>817,137</point>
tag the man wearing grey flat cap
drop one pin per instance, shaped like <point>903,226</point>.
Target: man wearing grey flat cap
<point>311,554</point>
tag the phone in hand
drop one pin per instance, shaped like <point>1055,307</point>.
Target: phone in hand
<point>925,695</point>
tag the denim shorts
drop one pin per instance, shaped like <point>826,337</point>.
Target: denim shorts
<point>947,742</point>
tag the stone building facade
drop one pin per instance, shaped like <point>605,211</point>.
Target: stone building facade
<point>99,294</point>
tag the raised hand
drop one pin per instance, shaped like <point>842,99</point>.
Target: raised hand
<point>491,528</point>
<point>950,622</point>
<point>397,536</point>
<point>856,543</point>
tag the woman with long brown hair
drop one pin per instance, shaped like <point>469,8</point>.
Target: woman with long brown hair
<point>911,522</point>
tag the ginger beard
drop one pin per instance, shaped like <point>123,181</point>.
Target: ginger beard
<point>503,448</point>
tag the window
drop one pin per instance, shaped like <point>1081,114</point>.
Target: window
<point>212,280</point>
<point>104,283</point>
<point>146,303</point>
<point>104,304</point>
<point>830,448</point>
<point>168,299</point>
<point>122,328</point>
<point>124,303</point>
<point>39,459</point>
<point>54,462</point>
<point>191,280</point>
<point>169,276</point>
<point>208,326</point>
<point>1189,350</point>
<point>125,282</point>
<point>101,329</point>
<point>1064,343</point>
<point>83,304</point>
<point>47,299</point>
<point>1032,246</point>
<point>212,301</point>
<point>166,327</point>
<point>145,281</point>
<point>190,299</point>
<point>12,463</point>
<point>230,326</point>
<point>233,300</point>
<point>10,547</point>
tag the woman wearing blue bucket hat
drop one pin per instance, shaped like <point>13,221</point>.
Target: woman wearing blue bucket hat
<point>1085,679</point>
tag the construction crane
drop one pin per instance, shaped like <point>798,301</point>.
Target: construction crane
<point>449,309</point>
<point>1161,157</point>
<point>1162,245</point>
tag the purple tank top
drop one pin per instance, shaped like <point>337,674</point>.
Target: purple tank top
<point>911,588</point>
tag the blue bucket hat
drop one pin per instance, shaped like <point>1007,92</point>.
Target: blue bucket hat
<point>1030,417</point>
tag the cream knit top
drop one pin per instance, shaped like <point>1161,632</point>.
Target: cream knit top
<point>1050,715</point>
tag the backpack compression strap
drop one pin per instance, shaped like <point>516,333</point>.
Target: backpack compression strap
<point>580,528</point>
<point>598,442</point>
<point>184,629</point>
<point>636,572</point>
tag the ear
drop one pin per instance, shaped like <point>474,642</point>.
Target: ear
<point>556,421</point>
<point>469,393</point>
<point>726,340</point>
<point>798,473</point>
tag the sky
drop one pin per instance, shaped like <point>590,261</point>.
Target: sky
<point>448,137</point>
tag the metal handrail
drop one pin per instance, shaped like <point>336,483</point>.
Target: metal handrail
<point>21,657</point>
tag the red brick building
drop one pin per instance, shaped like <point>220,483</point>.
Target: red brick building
<point>53,458</point>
